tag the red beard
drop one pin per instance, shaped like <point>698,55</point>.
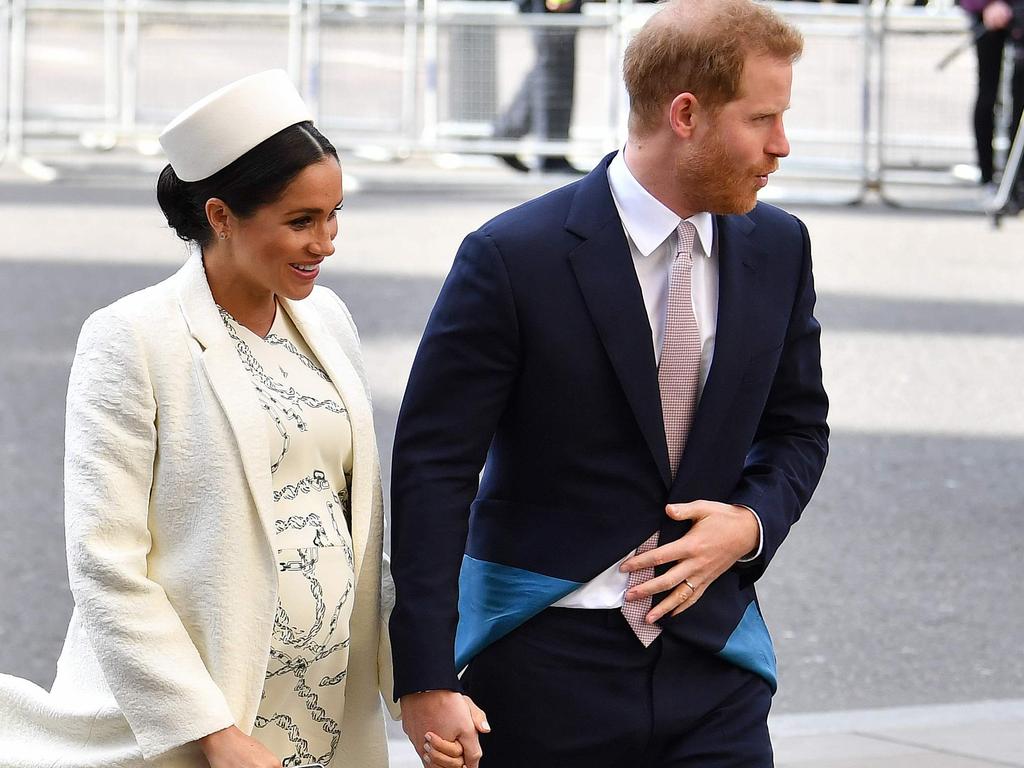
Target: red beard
<point>715,183</point>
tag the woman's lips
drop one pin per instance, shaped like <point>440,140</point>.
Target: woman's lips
<point>306,274</point>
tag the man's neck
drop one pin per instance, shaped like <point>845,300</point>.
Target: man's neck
<point>655,171</point>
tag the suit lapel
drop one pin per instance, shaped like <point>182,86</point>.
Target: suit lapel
<point>335,355</point>
<point>737,273</point>
<point>606,276</point>
<point>230,384</point>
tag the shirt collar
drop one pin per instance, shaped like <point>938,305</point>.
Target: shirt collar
<point>647,221</point>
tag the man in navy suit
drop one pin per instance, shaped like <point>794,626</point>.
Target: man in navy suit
<point>634,363</point>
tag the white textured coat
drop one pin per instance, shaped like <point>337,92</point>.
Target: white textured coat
<point>169,528</point>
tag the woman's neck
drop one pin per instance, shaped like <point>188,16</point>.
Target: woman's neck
<point>253,307</point>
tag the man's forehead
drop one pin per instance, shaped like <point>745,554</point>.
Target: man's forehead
<point>766,79</point>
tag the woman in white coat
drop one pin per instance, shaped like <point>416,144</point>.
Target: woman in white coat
<point>224,520</point>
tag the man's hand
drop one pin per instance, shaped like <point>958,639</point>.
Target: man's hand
<point>231,748</point>
<point>997,15</point>
<point>447,717</point>
<point>721,535</point>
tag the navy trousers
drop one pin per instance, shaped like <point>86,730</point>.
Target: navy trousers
<point>574,688</point>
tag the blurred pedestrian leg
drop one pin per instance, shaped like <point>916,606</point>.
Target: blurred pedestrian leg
<point>542,106</point>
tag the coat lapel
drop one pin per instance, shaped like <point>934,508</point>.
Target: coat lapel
<point>335,354</point>
<point>606,276</point>
<point>230,384</point>
<point>737,272</point>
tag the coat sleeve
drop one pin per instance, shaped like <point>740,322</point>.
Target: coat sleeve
<point>788,454</point>
<point>148,658</point>
<point>460,382</point>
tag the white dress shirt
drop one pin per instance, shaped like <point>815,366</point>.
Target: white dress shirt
<point>650,230</point>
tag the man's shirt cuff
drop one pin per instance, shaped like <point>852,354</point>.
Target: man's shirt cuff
<point>760,538</point>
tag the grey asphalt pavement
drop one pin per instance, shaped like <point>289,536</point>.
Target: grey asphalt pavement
<point>898,588</point>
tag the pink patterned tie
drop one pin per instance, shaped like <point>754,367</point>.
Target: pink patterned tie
<point>679,382</point>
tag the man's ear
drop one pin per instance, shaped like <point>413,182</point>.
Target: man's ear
<point>683,114</point>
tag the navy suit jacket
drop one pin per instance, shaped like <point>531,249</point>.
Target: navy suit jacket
<point>537,365</point>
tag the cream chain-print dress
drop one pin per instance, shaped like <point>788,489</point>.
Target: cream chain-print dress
<point>310,438</point>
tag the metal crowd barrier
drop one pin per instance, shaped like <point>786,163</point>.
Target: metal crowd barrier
<point>474,57</point>
<point>924,110</point>
<point>870,108</point>
<point>231,40</point>
<point>363,68</point>
<point>829,123</point>
<point>5,57</point>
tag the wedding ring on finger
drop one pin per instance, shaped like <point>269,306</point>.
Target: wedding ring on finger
<point>693,589</point>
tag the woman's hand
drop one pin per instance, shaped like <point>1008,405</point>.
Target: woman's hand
<point>231,748</point>
<point>450,754</point>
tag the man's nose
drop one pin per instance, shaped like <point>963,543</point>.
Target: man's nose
<point>778,144</point>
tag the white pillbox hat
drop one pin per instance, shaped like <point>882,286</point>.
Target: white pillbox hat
<point>220,128</point>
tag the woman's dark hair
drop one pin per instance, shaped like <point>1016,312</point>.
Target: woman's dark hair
<point>255,179</point>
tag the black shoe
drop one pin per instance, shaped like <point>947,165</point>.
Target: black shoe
<point>559,165</point>
<point>514,163</point>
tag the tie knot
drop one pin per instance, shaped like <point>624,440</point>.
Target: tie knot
<point>685,234</point>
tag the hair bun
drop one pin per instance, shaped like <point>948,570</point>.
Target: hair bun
<point>183,212</point>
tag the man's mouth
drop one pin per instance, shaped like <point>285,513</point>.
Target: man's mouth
<point>762,178</point>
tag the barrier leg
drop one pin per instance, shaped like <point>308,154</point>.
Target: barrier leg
<point>1002,204</point>
<point>14,156</point>
<point>15,82</point>
<point>5,60</point>
<point>130,69</point>
<point>295,40</point>
<point>869,166</point>
<point>428,132</point>
<point>311,79</point>
<point>106,138</point>
<point>410,89</point>
<point>876,179</point>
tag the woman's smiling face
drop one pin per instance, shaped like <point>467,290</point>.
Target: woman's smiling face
<point>280,246</point>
